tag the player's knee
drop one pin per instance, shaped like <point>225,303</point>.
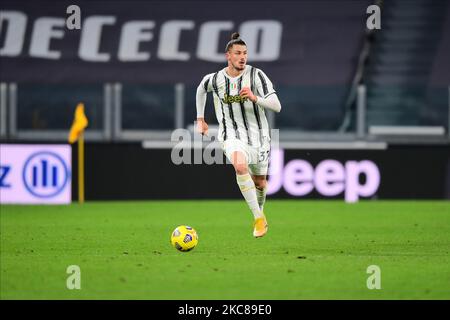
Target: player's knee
<point>260,183</point>
<point>241,168</point>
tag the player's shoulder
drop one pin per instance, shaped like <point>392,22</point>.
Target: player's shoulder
<point>260,71</point>
<point>252,68</point>
<point>257,72</point>
<point>209,75</point>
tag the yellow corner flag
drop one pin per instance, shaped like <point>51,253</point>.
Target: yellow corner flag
<point>79,123</point>
<point>76,133</point>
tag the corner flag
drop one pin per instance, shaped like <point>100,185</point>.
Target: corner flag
<point>79,123</point>
<point>76,133</point>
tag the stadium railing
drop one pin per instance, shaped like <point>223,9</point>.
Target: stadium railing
<point>129,112</point>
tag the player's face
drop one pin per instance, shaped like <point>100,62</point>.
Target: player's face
<point>237,56</point>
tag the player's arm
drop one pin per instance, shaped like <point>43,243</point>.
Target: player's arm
<point>202,91</point>
<point>270,102</point>
<point>266,96</point>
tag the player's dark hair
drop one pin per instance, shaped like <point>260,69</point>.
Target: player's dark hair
<point>235,39</point>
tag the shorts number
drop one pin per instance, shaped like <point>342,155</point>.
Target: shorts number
<point>264,156</point>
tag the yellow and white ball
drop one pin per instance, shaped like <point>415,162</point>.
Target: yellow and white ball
<point>184,238</point>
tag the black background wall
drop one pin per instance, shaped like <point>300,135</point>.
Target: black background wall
<point>127,171</point>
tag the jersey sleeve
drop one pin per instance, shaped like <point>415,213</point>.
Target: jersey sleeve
<point>206,82</point>
<point>203,88</point>
<point>263,84</point>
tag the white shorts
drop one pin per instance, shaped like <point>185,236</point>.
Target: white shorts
<point>257,157</point>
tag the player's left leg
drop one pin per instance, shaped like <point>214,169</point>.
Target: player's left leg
<point>258,173</point>
<point>261,189</point>
<point>258,168</point>
<point>261,225</point>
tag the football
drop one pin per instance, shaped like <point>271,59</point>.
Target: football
<point>184,238</point>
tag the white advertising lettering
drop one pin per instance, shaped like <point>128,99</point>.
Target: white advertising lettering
<point>330,177</point>
<point>262,36</point>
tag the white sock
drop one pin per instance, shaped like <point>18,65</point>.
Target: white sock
<point>247,186</point>
<point>261,195</point>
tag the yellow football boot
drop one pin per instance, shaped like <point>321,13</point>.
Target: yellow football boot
<point>260,227</point>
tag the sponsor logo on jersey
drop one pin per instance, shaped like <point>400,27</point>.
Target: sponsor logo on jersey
<point>233,99</point>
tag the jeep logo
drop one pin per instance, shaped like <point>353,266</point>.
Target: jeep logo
<point>330,177</point>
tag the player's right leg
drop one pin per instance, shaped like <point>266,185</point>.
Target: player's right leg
<point>248,189</point>
<point>245,182</point>
<point>237,154</point>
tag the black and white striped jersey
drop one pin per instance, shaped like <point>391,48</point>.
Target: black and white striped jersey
<point>239,117</point>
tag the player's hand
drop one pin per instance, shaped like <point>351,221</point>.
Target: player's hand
<point>202,126</point>
<point>247,93</point>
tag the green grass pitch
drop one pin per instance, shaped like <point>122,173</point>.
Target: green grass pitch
<point>313,250</point>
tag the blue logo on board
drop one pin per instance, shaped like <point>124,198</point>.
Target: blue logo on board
<point>45,174</point>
